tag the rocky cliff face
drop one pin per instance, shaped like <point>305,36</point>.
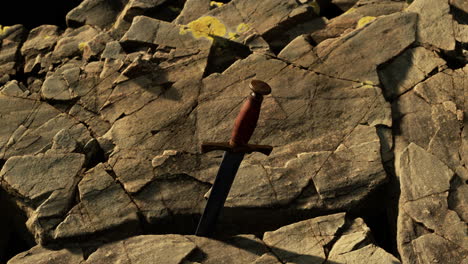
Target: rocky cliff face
<point>101,126</point>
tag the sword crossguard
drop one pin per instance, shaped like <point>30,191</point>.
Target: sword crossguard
<point>245,124</point>
<point>226,146</point>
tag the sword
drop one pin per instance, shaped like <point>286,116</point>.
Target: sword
<point>235,149</point>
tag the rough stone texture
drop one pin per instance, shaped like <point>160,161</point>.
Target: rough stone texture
<point>101,126</point>
<point>62,84</point>
<point>304,242</point>
<point>132,9</point>
<point>46,194</point>
<point>73,41</point>
<point>368,254</point>
<point>237,249</point>
<point>426,185</point>
<point>299,52</point>
<point>28,126</point>
<point>14,89</point>
<point>392,34</point>
<point>308,241</point>
<point>407,70</point>
<point>42,255</point>
<point>144,249</point>
<point>95,12</point>
<point>436,105</point>
<point>40,41</point>
<point>11,39</point>
<point>439,34</point>
<point>354,17</point>
<point>192,10</point>
<point>103,206</point>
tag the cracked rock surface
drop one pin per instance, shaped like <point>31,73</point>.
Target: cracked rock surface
<point>101,125</point>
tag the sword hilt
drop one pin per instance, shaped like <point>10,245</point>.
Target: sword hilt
<point>245,124</point>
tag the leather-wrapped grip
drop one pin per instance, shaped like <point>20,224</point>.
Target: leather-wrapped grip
<point>246,121</point>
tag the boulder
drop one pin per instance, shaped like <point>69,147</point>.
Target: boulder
<point>438,34</point>
<point>73,41</point>
<point>40,42</point>
<point>44,187</point>
<point>104,207</point>
<point>96,13</point>
<point>28,126</point>
<point>11,39</point>
<point>42,255</point>
<point>354,17</point>
<point>393,33</point>
<point>428,228</point>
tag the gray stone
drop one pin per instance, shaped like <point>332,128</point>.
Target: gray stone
<point>299,52</point>
<point>12,88</point>
<point>267,258</point>
<point>32,125</point>
<point>64,142</point>
<point>432,248</point>
<point>73,41</point>
<point>113,50</point>
<point>41,255</point>
<point>170,249</point>
<point>407,70</point>
<point>237,249</point>
<point>461,32</point>
<point>192,10</point>
<point>40,41</point>
<point>425,185</point>
<point>62,84</point>
<point>96,46</point>
<point>11,39</point>
<point>428,108</point>
<point>355,17</point>
<point>103,206</point>
<point>441,34</point>
<point>172,197</point>
<point>152,31</point>
<point>44,186</point>
<point>392,34</point>
<point>98,13</point>
<point>368,254</point>
<point>132,9</point>
<point>304,242</point>
<point>96,123</point>
<point>354,237</point>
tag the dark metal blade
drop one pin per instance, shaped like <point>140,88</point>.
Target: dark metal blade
<point>219,192</point>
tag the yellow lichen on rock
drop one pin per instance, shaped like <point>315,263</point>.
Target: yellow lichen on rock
<point>82,45</point>
<point>364,21</point>
<point>351,10</point>
<point>216,4</point>
<point>205,27</point>
<point>3,29</point>
<point>242,27</point>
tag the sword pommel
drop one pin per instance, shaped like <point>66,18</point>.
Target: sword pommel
<point>247,118</point>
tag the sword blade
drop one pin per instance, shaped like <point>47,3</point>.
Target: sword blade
<point>219,192</point>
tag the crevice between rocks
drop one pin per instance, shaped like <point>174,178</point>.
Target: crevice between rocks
<point>14,235</point>
<point>455,182</point>
<point>456,58</point>
<point>224,53</point>
<point>458,14</point>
